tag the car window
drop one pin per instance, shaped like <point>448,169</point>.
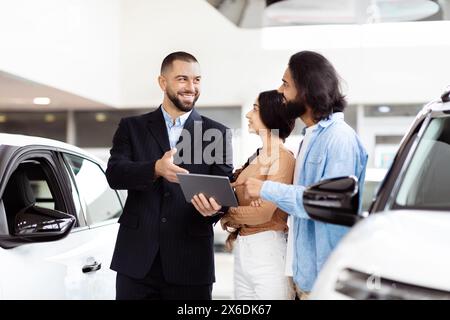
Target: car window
<point>30,185</point>
<point>76,198</point>
<point>44,197</point>
<point>427,180</point>
<point>102,203</point>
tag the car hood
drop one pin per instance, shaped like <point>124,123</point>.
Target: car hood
<point>405,245</point>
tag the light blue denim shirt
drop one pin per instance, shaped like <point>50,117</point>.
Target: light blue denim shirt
<point>174,130</point>
<point>334,150</point>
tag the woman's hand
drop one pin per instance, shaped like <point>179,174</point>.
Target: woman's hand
<point>256,203</point>
<point>227,222</point>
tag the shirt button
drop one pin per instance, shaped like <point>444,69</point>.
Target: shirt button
<point>163,220</point>
<point>167,194</point>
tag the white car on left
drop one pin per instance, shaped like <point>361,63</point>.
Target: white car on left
<point>58,221</point>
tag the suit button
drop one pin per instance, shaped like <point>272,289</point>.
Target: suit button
<point>163,220</point>
<point>167,194</point>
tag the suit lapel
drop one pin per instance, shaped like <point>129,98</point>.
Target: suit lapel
<point>189,124</point>
<point>157,126</point>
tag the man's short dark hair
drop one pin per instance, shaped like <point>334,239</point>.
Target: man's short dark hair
<point>272,113</point>
<point>179,55</point>
<point>317,84</point>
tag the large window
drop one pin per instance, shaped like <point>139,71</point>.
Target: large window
<point>42,124</point>
<point>390,110</point>
<point>228,116</point>
<point>95,129</point>
<point>102,203</point>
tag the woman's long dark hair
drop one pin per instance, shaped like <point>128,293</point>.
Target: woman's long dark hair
<point>272,111</point>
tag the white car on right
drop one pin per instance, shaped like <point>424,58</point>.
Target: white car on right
<point>402,249</point>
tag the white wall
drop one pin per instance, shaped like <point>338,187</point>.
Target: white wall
<point>153,29</point>
<point>71,45</point>
<point>111,50</point>
<point>380,63</point>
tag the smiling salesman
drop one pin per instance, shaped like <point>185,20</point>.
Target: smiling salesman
<point>164,248</point>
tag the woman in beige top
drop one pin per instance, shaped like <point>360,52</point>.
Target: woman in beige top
<point>258,234</point>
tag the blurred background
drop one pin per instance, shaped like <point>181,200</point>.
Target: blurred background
<point>71,69</point>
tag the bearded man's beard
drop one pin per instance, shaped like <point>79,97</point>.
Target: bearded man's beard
<point>295,109</point>
<point>179,104</point>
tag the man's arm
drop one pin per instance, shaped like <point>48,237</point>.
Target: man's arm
<point>340,161</point>
<point>281,171</point>
<point>122,172</point>
<point>287,197</point>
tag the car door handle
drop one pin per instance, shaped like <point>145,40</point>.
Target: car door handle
<point>92,267</point>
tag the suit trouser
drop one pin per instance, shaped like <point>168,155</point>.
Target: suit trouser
<point>259,263</point>
<point>155,287</point>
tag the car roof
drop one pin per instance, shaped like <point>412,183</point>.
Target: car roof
<point>438,105</point>
<point>19,140</point>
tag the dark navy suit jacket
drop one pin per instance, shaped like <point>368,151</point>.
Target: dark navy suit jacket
<point>156,216</point>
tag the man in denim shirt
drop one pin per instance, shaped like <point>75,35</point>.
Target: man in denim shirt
<point>311,88</point>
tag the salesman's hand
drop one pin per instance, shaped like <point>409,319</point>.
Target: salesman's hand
<point>252,188</point>
<point>204,206</point>
<point>165,168</point>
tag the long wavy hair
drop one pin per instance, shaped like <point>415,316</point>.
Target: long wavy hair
<point>317,84</point>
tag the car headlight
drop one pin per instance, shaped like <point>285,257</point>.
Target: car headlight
<point>364,286</point>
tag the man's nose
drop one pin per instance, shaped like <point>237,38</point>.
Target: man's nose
<point>280,89</point>
<point>190,85</point>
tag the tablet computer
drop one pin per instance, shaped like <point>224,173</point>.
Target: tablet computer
<point>217,187</point>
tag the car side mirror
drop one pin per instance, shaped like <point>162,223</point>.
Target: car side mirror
<point>333,201</point>
<point>36,224</point>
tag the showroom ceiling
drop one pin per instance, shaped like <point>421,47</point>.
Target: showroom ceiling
<point>17,93</point>
<point>264,13</point>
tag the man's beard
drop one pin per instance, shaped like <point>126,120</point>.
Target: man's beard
<point>180,105</point>
<point>295,109</point>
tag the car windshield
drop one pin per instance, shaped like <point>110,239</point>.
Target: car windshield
<point>427,181</point>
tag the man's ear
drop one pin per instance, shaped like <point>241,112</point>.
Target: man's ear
<point>162,83</point>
